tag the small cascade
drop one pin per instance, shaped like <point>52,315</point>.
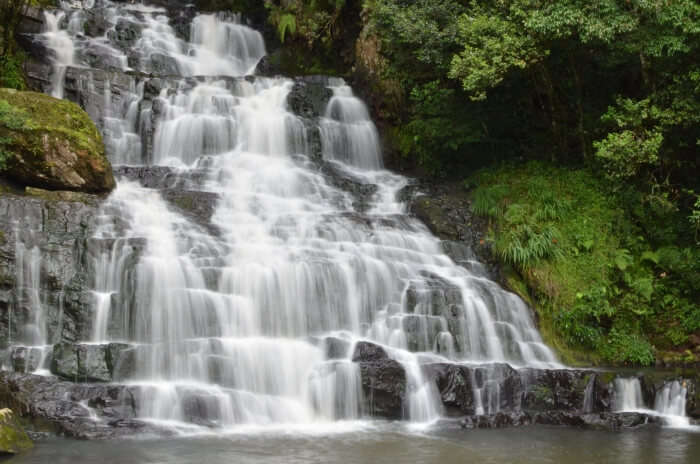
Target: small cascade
<point>348,135</point>
<point>670,403</point>
<point>221,46</point>
<point>588,395</point>
<point>61,44</point>
<point>628,394</point>
<point>30,349</point>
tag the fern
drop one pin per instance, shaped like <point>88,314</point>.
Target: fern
<point>287,23</point>
<point>524,246</point>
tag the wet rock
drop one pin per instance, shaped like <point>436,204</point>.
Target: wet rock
<point>496,421</point>
<point>366,351</point>
<point>122,359</point>
<point>54,146</point>
<point>362,193</point>
<point>563,389</point>
<point>25,359</point>
<point>470,390</point>
<point>433,296</point>
<point>32,21</point>
<point>96,23</point>
<point>197,205</point>
<point>309,97</point>
<point>163,65</point>
<point>13,438</point>
<point>559,418</point>
<point>125,33</point>
<point>615,421</point>
<point>80,363</point>
<point>93,363</point>
<point>336,348</point>
<point>384,388</point>
<point>462,254</point>
<point>266,67</point>
<point>43,237</point>
<point>445,208</point>
<point>201,409</point>
<point>74,410</point>
<point>160,177</point>
<point>455,387</point>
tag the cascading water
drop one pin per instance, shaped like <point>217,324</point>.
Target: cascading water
<point>228,320</point>
<point>628,394</point>
<point>669,402</point>
<point>63,48</point>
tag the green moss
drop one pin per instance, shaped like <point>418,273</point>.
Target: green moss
<point>13,439</point>
<point>58,117</point>
<point>51,143</point>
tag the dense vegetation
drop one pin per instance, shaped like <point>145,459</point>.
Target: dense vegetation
<point>605,290</point>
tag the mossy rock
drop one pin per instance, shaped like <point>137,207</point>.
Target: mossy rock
<point>51,144</point>
<point>13,438</point>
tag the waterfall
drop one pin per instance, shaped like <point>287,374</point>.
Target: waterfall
<point>628,394</point>
<point>670,403</point>
<point>588,395</point>
<point>228,316</point>
<point>348,134</point>
<point>61,43</point>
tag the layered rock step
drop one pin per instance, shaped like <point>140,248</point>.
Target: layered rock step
<point>480,396</point>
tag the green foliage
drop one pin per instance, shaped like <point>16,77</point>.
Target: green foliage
<point>524,245</point>
<point>287,22</point>
<point>420,32</point>
<point>694,218</point>
<point>493,45</point>
<point>437,129</point>
<point>627,347</point>
<point>316,22</point>
<point>11,119</point>
<point>11,73</point>
<point>596,280</point>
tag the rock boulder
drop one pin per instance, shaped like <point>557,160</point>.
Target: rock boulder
<point>51,144</point>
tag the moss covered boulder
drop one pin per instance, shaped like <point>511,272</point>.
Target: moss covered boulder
<point>51,144</point>
<point>13,438</point>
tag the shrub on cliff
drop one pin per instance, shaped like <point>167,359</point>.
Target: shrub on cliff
<point>51,144</point>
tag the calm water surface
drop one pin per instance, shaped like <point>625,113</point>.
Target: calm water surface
<point>386,444</point>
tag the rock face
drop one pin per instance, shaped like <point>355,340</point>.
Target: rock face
<point>74,410</point>
<point>384,388</point>
<point>51,144</point>
<point>43,263</point>
<point>13,439</point>
<point>93,363</point>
